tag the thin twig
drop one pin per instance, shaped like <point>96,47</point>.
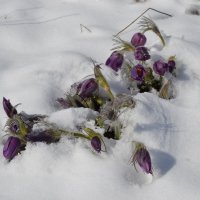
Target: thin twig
<point>141,16</point>
<point>82,26</point>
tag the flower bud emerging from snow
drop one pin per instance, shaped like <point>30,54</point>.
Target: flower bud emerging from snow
<point>142,157</point>
<point>11,147</point>
<point>63,102</point>
<point>138,39</point>
<point>138,73</point>
<point>160,67</point>
<point>171,65</point>
<point>141,54</point>
<point>87,88</point>
<point>115,61</point>
<point>96,143</point>
<point>8,108</point>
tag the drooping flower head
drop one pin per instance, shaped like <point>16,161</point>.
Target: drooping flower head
<point>87,88</point>
<point>11,147</point>
<point>138,39</point>
<point>160,67</point>
<point>138,73</point>
<point>115,61</point>
<point>96,143</point>
<point>141,54</point>
<point>142,157</point>
<point>9,108</point>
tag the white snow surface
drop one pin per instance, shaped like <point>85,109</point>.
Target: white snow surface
<point>43,51</point>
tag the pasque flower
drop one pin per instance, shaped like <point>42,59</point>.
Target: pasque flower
<point>8,108</point>
<point>160,67</point>
<point>96,143</point>
<point>138,73</point>
<point>138,39</point>
<point>11,147</point>
<point>171,65</point>
<point>115,61</point>
<point>87,88</point>
<point>142,157</point>
<point>141,54</point>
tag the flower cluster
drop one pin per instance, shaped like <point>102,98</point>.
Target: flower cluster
<point>147,73</point>
<point>141,73</point>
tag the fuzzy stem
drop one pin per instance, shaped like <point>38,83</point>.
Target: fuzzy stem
<point>75,134</point>
<point>141,16</point>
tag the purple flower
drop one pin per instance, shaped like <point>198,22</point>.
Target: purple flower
<point>11,147</point>
<point>160,67</point>
<point>141,54</point>
<point>115,61</point>
<point>138,73</point>
<point>171,65</point>
<point>64,102</point>
<point>87,88</point>
<point>96,143</point>
<point>138,39</point>
<point>8,108</point>
<point>46,136</point>
<point>142,157</point>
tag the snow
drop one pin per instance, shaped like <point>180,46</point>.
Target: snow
<point>43,52</point>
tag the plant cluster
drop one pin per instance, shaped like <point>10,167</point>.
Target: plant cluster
<point>132,60</point>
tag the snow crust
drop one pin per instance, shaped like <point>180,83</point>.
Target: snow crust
<point>43,51</point>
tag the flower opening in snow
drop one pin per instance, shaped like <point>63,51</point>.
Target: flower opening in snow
<point>141,54</point>
<point>160,67</point>
<point>96,143</point>
<point>8,108</point>
<point>138,73</point>
<point>142,157</point>
<point>11,147</point>
<point>171,65</point>
<point>87,88</point>
<point>138,39</point>
<point>115,61</point>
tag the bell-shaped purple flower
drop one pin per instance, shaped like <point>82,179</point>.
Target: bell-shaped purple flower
<point>142,157</point>
<point>87,88</point>
<point>11,147</point>
<point>171,65</point>
<point>96,143</point>
<point>8,108</point>
<point>138,39</point>
<point>141,54</point>
<point>138,73</point>
<point>160,67</point>
<point>115,61</point>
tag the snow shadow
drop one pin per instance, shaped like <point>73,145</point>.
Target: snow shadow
<point>162,162</point>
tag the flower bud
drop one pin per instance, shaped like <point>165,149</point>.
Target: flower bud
<point>141,54</point>
<point>138,39</point>
<point>96,143</point>
<point>11,147</point>
<point>87,88</point>
<point>63,102</point>
<point>160,67</point>
<point>8,108</point>
<point>115,61</point>
<point>171,65</point>
<point>142,157</point>
<point>138,73</point>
